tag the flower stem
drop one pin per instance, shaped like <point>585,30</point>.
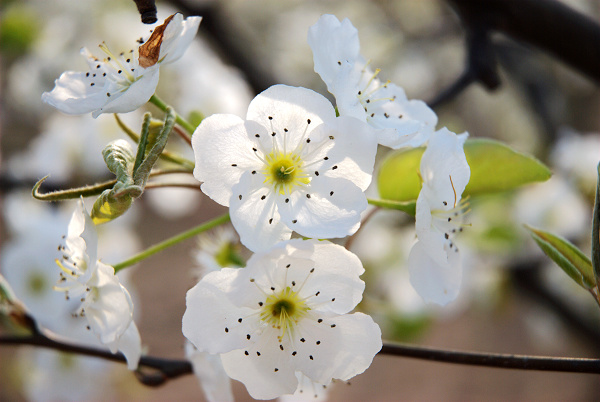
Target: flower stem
<point>171,242</point>
<point>159,103</point>
<point>407,206</point>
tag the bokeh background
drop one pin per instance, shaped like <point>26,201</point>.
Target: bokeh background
<point>514,300</point>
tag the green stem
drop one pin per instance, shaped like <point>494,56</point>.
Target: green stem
<point>172,241</point>
<point>159,103</point>
<point>406,206</point>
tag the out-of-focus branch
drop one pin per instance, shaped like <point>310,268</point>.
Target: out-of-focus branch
<point>526,278</point>
<point>147,10</point>
<point>231,44</point>
<point>164,369</point>
<point>548,25</point>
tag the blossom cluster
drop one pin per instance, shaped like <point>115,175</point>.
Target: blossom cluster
<point>294,166</point>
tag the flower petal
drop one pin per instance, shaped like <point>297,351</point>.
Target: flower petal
<point>329,208</point>
<point>435,282</point>
<point>215,383</point>
<point>353,154</point>
<point>341,349</point>
<point>132,97</point>
<point>108,306</point>
<point>444,168</point>
<point>177,37</point>
<point>211,320</point>
<point>296,109</point>
<point>266,374</point>
<point>333,44</point>
<point>223,151</point>
<point>254,214</point>
<point>72,94</point>
<point>130,344</point>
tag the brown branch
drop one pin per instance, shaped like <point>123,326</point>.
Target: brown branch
<point>147,10</point>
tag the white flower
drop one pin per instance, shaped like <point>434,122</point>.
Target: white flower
<point>434,261</point>
<point>358,91</point>
<point>285,313</point>
<point>122,83</point>
<point>290,166</point>
<point>103,305</point>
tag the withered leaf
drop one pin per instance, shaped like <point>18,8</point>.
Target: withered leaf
<point>150,51</point>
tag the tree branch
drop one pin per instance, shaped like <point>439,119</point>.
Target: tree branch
<point>167,369</point>
<point>548,25</point>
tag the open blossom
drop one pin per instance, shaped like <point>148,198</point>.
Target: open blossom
<point>359,92</point>
<point>290,166</point>
<point>124,82</point>
<point>98,300</point>
<point>434,260</point>
<point>283,315</point>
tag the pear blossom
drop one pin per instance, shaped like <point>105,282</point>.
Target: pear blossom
<point>218,249</point>
<point>358,90</point>
<point>124,82</point>
<point>434,261</point>
<point>286,313</point>
<point>102,304</point>
<point>290,166</point>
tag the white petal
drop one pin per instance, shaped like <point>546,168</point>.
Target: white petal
<point>413,120</point>
<point>435,282</point>
<point>130,344</point>
<point>72,94</point>
<point>220,142</point>
<point>108,306</point>
<point>290,108</point>
<point>354,150</point>
<point>267,375</point>
<point>342,351</point>
<point>254,214</point>
<point>332,42</point>
<point>444,168</point>
<point>332,210</point>
<point>177,37</point>
<point>336,275</point>
<point>210,320</point>
<point>134,96</point>
<point>215,383</point>
<point>307,390</point>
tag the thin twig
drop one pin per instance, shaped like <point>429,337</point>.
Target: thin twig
<point>185,136</point>
<point>170,368</point>
<point>518,362</point>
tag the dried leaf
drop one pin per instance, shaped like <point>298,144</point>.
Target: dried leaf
<point>150,51</point>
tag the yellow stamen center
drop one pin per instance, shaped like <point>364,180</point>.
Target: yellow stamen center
<point>283,311</point>
<point>284,171</point>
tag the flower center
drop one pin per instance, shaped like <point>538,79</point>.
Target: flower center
<point>283,311</point>
<point>37,283</point>
<point>284,171</point>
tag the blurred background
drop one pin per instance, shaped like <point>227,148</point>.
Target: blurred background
<point>513,299</point>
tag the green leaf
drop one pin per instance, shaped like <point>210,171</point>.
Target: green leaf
<point>119,158</point>
<point>494,167</point>
<point>497,167</point>
<point>110,206</point>
<point>575,264</point>
<point>596,232</point>
<point>398,178</point>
